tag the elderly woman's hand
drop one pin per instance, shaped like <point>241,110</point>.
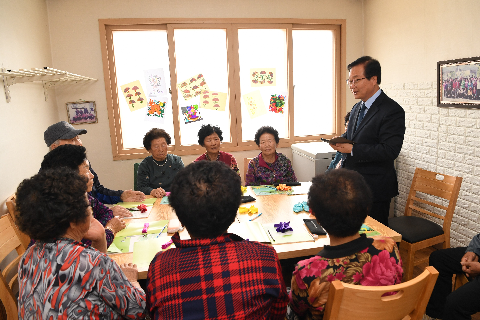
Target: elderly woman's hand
<point>158,193</point>
<point>119,211</point>
<point>116,224</point>
<point>96,233</point>
<point>131,272</point>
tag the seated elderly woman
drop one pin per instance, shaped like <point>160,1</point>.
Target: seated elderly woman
<point>59,277</point>
<point>210,137</point>
<point>341,200</point>
<point>75,158</point>
<point>269,167</point>
<point>214,274</point>
<point>156,172</point>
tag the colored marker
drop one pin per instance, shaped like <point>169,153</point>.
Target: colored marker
<point>255,217</point>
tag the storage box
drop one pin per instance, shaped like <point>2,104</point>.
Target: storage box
<point>310,159</point>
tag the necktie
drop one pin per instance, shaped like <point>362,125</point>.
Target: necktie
<point>361,114</point>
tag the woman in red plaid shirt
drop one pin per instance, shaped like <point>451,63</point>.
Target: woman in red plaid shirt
<point>215,275</point>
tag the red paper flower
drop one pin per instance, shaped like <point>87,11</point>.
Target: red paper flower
<point>142,208</point>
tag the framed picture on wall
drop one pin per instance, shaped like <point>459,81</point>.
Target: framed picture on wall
<point>458,83</point>
<point>82,112</point>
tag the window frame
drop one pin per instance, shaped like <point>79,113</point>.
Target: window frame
<point>107,26</point>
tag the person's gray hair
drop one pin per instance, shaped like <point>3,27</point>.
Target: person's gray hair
<point>54,144</point>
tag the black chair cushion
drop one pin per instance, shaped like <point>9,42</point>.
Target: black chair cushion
<point>414,229</point>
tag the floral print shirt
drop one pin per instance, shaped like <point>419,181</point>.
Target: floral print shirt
<point>259,172</point>
<point>363,261</point>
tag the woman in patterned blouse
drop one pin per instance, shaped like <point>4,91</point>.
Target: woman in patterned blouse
<point>341,200</point>
<point>75,158</point>
<point>60,277</point>
<point>210,137</point>
<point>269,167</point>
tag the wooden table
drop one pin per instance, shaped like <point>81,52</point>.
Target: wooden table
<point>274,208</point>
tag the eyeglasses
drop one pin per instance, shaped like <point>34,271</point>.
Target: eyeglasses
<point>354,82</point>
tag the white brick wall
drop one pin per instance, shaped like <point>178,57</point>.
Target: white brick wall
<point>445,140</point>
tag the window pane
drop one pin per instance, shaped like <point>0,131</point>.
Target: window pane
<point>202,52</point>
<point>313,76</point>
<point>135,53</point>
<point>263,50</point>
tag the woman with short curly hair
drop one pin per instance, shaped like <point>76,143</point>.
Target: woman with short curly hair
<point>60,277</point>
<point>156,172</point>
<point>210,137</point>
<point>269,167</point>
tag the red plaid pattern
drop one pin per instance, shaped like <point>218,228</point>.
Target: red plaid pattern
<point>220,278</point>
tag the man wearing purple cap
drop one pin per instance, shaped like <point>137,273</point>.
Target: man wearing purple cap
<point>62,133</point>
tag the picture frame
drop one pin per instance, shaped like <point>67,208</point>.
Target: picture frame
<point>82,112</point>
<point>458,83</point>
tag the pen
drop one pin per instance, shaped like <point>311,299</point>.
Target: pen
<point>271,235</point>
<point>255,217</point>
<point>161,231</point>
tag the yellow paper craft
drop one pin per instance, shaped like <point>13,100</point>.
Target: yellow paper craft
<point>193,86</point>
<point>134,95</point>
<point>254,104</point>
<point>262,77</point>
<point>213,100</point>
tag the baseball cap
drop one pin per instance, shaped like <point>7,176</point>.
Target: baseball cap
<point>61,131</point>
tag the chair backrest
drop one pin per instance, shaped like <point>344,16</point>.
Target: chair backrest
<point>25,239</point>
<point>439,185</point>
<point>9,241</point>
<point>348,301</point>
<point>135,172</point>
<point>246,161</point>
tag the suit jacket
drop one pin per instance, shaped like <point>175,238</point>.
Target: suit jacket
<point>377,143</point>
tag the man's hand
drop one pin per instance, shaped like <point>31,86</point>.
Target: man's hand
<point>472,269</point>
<point>132,196</point>
<point>342,147</point>
<point>158,193</point>
<point>116,224</point>
<point>119,211</point>
<point>469,257</point>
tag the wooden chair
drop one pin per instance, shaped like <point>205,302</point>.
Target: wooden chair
<point>25,239</point>
<point>348,301</point>
<point>9,241</point>
<point>246,161</point>
<point>419,233</point>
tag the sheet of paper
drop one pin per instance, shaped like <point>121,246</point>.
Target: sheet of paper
<point>193,86</point>
<point>145,250</point>
<point>213,100</point>
<point>135,228</point>
<point>164,200</point>
<point>266,190</point>
<point>250,230</point>
<point>191,114</point>
<point>262,77</point>
<point>254,104</point>
<point>299,234</point>
<point>156,84</point>
<point>134,95</point>
<point>156,110</point>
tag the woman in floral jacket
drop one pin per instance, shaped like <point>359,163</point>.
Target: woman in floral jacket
<point>269,167</point>
<point>340,200</point>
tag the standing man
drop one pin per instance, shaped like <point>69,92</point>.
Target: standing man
<point>62,133</point>
<point>377,127</point>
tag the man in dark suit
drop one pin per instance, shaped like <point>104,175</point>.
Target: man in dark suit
<point>377,127</point>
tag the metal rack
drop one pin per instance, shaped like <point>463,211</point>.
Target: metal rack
<point>48,76</point>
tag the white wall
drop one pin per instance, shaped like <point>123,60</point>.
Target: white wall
<point>25,44</point>
<point>408,38</point>
<point>75,40</point>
